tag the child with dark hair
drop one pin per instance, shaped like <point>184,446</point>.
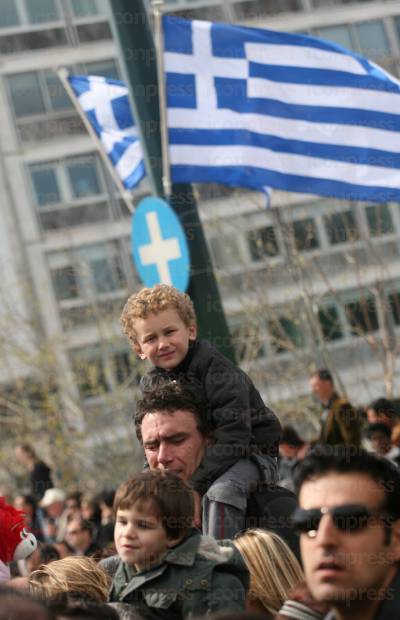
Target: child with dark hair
<point>18,605</point>
<point>165,568</point>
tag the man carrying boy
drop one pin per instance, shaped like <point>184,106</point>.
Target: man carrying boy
<point>170,425</point>
<point>166,569</point>
<point>160,322</point>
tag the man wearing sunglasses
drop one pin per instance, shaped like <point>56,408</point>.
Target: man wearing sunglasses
<point>349,524</point>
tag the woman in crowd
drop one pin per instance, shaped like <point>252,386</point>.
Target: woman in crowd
<point>28,505</point>
<point>39,472</point>
<point>273,567</point>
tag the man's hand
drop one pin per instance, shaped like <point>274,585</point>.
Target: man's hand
<point>197,509</point>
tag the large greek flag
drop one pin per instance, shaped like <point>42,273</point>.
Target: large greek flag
<point>106,104</point>
<point>256,108</point>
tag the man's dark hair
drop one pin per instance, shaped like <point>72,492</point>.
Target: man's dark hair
<point>84,524</point>
<point>324,374</point>
<point>17,605</point>
<point>345,460</point>
<point>107,497</point>
<point>291,437</point>
<point>81,610</point>
<point>170,498</point>
<point>170,396</point>
<point>48,553</point>
<point>383,406</point>
<point>379,427</point>
<point>75,496</point>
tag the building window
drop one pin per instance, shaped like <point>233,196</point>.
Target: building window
<point>285,334</point>
<point>83,177</point>
<point>394,302</point>
<point>372,39</point>
<point>101,264</point>
<point>88,272</point>
<point>124,366</point>
<point>254,8</point>
<point>247,339</point>
<point>397,26</point>
<point>337,34</point>
<point>379,220</point>
<point>40,11</point>
<point>65,283</point>
<point>69,192</point>
<point>26,94</point>
<point>37,92</point>
<point>89,33</point>
<point>58,98</point>
<point>8,14</point>
<point>107,68</point>
<point>25,12</point>
<point>305,235</point>
<point>262,243</point>
<point>329,321</point>
<point>341,227</point>
<point>100,371</point>
<point>46,186</point>
<point>66,181</point>
<point>41,105</point>
<point>368,37</point>
<point>225,251</point>
<point>362,316</point>
<point>90,376</point>
<point>86,8</point>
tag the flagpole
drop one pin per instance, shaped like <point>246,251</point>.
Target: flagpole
<point>125,194</point>
<point>159,45</point>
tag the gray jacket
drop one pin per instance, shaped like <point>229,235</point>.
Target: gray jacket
<point>195,578</point>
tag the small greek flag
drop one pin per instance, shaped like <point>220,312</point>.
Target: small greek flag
<point>256,108</point>
<point>106,104</point>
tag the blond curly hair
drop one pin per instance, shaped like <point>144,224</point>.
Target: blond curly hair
<point>76,576</point>
<point>153,300</point>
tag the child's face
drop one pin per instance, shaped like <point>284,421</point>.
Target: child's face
<point>140,537</point>
<point>163,338</point>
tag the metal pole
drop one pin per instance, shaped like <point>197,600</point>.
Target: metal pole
<point>136,43</point>
<point>126,195</point>
<point>162,101</point>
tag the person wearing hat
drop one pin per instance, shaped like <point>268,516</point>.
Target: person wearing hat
<point>55,521</point>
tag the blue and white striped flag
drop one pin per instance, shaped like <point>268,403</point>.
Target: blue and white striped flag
<point>106,104</point>
<point>256,108</point>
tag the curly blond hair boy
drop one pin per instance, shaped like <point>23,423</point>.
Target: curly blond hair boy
<point>160,323</point>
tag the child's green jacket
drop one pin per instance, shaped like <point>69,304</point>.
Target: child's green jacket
<point>195,578</point>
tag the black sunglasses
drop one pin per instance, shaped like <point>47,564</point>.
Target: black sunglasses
<point>346,518</point>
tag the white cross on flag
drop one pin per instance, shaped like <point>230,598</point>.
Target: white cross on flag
<point>106,105</point>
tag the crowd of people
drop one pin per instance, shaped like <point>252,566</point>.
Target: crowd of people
<point>232,516</point>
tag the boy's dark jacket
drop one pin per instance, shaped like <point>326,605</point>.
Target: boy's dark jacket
<point>195,578</point>
<point>241,422</point>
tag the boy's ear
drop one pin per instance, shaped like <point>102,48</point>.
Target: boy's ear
<point>395,542</point>
<point>173,542</point>
<point>192,332</point>
<point>139,351</point>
